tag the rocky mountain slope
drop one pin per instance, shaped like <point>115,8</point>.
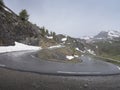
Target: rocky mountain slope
<point>12,28</point>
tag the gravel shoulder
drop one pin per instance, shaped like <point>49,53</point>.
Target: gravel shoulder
<point>16,80</point>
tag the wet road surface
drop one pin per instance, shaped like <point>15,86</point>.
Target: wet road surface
<point>26,61</point>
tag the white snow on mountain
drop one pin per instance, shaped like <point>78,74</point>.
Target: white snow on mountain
<point>107,35</point>
<point>49,37</point>
<point>113,34</point>
<point>64,39</point>
<point>86,37</point>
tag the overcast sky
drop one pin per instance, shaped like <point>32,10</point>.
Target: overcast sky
<point>72,17</point>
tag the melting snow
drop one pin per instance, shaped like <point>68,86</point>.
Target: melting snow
<point>86,37</point>
<point>76,56</point>
<point>49,37</point>
<point>70,57</point>
<point>7,10</point>
<point>18,47</point>
<point>91,52</point>
<point>64,39</point>
<point>80,50</point>
<point>57,46</point>
<point>113,34</point>
<point>96,46</point>
<point>77,49</point>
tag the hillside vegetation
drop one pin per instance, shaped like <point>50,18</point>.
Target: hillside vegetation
<point>109,50</point>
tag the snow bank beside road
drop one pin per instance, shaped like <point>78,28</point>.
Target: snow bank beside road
<point>18,47</point>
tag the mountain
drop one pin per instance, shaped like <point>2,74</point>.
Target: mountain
<point>103,36</point>
<point>105,44</point>
<point>107,35</point>
<point>86,37</point>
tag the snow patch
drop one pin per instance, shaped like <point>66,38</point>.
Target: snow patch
<point>49,37</point>
<point>56,46</point>
<point>77,49</point>
<point>70,57</point>
<point>64,39</point>
<point>18,47</point>
<point>113,34</point>
<point>7,10</point>
<point>96,46</point>
<point>76,56</point>
<point>86,37</point>
<point>80,50</point>
<point>91,52</point>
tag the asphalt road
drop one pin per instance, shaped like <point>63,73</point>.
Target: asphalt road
<point>16,80</point>
<point>26,61</point>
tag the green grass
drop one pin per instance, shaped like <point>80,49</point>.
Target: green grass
<point>110,59</point>
<point>115,57</point>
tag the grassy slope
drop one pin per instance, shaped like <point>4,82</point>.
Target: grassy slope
<point>58,54</point>
<point>108,51</point>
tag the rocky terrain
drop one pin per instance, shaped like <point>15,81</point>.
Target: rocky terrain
<point>12,28</point>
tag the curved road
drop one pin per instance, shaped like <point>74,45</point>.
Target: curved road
<point>26,61</point>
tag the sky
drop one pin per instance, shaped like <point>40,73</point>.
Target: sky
<point>76,18</point>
